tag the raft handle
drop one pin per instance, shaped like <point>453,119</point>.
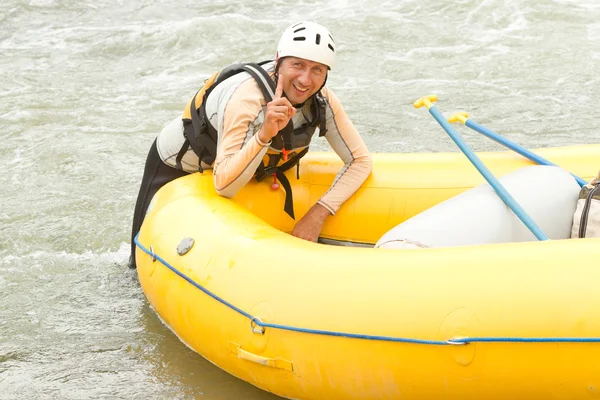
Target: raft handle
<point>278,363</point>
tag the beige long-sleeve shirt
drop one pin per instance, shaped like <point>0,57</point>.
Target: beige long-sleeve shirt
<point>236,108</point>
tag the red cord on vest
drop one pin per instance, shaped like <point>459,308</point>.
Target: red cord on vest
<point>274,185</point>
<point>285,154</point>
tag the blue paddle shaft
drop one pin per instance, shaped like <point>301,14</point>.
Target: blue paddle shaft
<point>515,147</point>
<point>489,177</point>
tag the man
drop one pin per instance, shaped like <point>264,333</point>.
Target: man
<point>242,128</point>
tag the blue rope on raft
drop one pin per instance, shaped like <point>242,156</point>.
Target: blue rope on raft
<point>515,147</point>
<point>456,341</point>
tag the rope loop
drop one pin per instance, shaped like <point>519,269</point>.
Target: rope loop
<point>458,341</point>
<point>257,326</point>
<point>152,254</point>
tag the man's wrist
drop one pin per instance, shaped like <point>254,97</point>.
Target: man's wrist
<point>261,140</point>
<point>319,212</point>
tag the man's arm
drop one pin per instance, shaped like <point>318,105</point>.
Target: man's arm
<point>350,147</point>
<point>236,159</point>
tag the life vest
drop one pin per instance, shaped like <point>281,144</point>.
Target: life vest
<point>202,137</point>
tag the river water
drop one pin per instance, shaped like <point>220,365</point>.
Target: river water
<point>85,86</point>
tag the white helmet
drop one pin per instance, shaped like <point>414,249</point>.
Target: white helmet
<point>307,40</point>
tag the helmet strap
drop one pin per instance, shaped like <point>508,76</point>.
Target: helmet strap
<point>276,73</point>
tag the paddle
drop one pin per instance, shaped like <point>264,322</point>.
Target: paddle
<point>489,177</point>
<point>463,117</point>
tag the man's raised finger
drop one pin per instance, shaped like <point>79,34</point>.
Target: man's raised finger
<point>279,89</point>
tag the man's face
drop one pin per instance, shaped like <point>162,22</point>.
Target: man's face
<point>301,78</point>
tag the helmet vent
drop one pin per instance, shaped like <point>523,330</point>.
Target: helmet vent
<point>309,41</point>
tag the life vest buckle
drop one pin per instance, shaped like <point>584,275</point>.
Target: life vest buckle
<point>263,173</point>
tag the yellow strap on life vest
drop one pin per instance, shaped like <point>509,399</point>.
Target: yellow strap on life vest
<point>200,95</point>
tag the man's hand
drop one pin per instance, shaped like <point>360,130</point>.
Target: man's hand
<point>309,227</point>
<point>278,114</point>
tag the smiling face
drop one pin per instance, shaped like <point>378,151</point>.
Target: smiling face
<point>301,78</point>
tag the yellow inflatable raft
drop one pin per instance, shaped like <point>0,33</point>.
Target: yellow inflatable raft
<point>318,321</point>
